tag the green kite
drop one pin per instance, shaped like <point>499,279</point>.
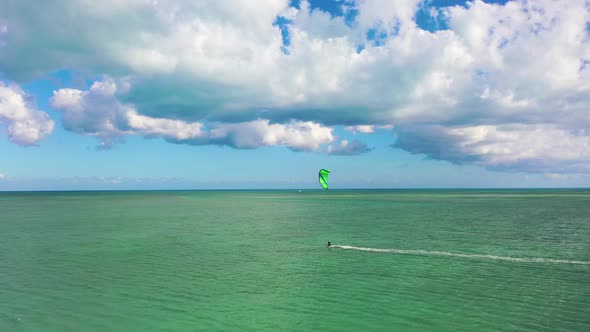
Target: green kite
<point>323,177</point>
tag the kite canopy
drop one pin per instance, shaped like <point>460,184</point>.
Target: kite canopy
<point>323,177</point>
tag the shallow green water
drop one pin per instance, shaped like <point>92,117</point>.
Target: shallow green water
<point>257,261</point>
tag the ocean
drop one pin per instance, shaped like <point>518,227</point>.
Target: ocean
<point>401,260</point>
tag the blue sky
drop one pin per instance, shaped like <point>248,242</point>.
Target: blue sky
<point>416,94</point>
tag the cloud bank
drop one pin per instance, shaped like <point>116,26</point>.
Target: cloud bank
<point>502,86</point>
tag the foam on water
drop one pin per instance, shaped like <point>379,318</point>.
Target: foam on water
<point>472,256</point>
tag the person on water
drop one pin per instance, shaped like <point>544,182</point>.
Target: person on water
<point>329,244</point>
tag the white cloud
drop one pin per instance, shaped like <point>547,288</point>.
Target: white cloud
<point>94,112</point>
<point>306,136</point>
<point>98,112</point>
<point>196,68</point>
<point>26,126</point>
<point>366,129</point>
<point>346,148</point>
<point>163,127</point>
<point>536,148</point>
<point>386,15</point>
<point>316,23</point>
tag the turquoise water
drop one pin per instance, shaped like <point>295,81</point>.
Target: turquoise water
<point>443,260</point>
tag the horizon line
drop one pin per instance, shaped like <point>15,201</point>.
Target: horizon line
<point>295,189</point>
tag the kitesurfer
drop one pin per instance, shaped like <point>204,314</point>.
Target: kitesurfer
<point>329,244</point>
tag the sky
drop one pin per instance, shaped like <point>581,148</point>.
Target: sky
<point>239,94</point>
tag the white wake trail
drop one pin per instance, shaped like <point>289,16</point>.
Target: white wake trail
<point>472,256</point>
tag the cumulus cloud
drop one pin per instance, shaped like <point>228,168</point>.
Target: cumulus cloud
<point>346,148</point>
<point>26,126</point>
<point>206,72</point>
<point>303,136</point>
<point>98,112</point>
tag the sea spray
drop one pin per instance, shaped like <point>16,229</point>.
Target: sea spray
<point>470,256</point>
